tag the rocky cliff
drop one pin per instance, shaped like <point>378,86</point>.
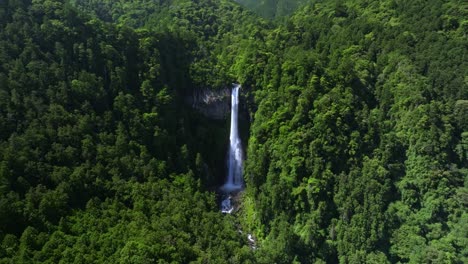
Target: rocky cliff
<point>215,104</point>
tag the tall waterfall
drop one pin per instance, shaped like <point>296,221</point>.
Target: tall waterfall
<point>234,181</point>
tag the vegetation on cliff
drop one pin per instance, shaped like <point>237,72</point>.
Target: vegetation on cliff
<point>358,147</point>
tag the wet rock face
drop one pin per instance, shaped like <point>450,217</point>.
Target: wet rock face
<point>215,104</point>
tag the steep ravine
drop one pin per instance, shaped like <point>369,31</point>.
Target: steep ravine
<point>213,106</point>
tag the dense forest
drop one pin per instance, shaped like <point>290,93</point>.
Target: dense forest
<point>272,8</point>
<point>357,146</point>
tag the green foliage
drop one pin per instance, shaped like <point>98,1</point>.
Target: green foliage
<point>272,8</point>
<point>358,136</point>
<point>98,162</point>
<point>358,147</point>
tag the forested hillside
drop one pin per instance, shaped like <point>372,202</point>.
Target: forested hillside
<point>273,8</point>
<point>99,160</point>
<point>357,149</point>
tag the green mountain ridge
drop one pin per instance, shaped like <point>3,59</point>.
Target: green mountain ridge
<point>357,149</point>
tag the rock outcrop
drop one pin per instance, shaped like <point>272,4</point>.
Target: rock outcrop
<point>215,104</point>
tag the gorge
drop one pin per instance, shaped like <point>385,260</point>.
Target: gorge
<point>120,127</point>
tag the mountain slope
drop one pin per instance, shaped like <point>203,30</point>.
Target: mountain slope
<point>273,8</point>
<point>357,153</point>
<point>357,150</point>
<point>100,160</point>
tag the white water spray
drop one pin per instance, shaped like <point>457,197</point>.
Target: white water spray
<point>234,181</point>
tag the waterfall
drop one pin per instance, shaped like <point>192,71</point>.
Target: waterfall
<point>234,181</point>
<point>234,177</point>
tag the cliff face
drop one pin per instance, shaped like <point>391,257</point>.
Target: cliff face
<point>215,104</point>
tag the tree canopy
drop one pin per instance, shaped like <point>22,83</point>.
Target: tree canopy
<point>357,148</point>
